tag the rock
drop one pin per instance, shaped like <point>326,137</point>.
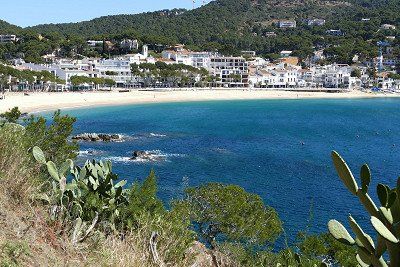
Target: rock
<point>93,137</point>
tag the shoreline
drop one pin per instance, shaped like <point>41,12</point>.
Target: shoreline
<point>45,101</point>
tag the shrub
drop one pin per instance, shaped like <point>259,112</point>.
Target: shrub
<point>53,139</point>
<point>231,213</point>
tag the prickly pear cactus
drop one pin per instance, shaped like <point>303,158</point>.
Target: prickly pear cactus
<point>385,219</point>
<point>84,193</point>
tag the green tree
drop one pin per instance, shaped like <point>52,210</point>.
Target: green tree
<point>109,82</point>
<point>142,199</point>
<point>229,212</point>
<point>53,139</point>
<point>356,73</point>
<point>11,116</point>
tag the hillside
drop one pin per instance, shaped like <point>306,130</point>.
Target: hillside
<point>233,25</point>
<point>7,28</point>
<point>212,21</point>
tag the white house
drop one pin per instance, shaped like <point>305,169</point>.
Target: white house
<point>388,27</point>
<point>8,38</point>
<point>315,22</point>
<point>94,43</point>
<point>287,24</point>
<point>180,55</point>
<point>129,44</point>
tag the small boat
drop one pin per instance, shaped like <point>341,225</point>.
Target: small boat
<point>124,91</point>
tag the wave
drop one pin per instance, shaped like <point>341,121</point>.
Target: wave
<point>145,136</point>
<point>118,159</point>
<point>89,152</point>
<point>153,156</point>
<point>157,135</point>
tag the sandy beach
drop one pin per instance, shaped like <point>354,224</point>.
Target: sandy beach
<point>36,102</point>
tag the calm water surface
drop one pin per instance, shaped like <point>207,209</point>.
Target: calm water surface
<point>278,149</point>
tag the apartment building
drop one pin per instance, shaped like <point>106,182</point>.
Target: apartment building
<point>231,71</point>
<point>115,69</point>
<point>336,76</point>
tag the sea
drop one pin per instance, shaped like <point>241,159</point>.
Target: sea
<point>278,149</point>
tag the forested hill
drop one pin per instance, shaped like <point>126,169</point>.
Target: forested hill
<point>233,25</point>
<point>7,28</point>
<point>209,22</point>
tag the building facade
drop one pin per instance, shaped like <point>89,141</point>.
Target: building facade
<point>231,71</point>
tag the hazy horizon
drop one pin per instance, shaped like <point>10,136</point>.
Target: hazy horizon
<point>25,13</point>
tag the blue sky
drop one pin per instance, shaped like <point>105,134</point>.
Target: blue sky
<point>33,12</point>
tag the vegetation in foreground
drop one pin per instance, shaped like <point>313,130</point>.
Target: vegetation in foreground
<point>53,212</point>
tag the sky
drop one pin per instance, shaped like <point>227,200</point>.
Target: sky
<point>32,12</point>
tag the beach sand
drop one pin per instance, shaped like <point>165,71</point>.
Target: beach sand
<point>39,101</point>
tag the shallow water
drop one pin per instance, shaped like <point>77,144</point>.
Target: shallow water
<point>279,149</point>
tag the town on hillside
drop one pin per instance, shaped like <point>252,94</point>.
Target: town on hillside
<point>177,66</point>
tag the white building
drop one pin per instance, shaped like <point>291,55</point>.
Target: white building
<point>94,43</point>
<point>275,76</point>
<point>115,69</point>
<point>8,38</point>
<point>231,71</point>
<point>315,22</point>
<point>287,24</point>
<point>129,44</point>
<point>57,70</point>
<point>139,58</point>
<point>335,32</point>
<point>180,55</point>
<point>270,34</point>
<point>388,27</point>
<point>336,76</point>
<point>388,84</point>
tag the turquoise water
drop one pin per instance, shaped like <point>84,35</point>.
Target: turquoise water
<point>279,149</point>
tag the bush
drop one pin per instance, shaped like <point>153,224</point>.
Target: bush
<point>53,139</point>
<point>231,213</point>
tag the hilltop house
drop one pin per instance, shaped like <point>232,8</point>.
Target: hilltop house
<point>315,22</point>
<point>388,27</point>
<point>335,32</point>
<point>287,24</point>
<point>8,38</point>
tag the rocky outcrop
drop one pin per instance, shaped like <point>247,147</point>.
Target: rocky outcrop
<point>94,137</point>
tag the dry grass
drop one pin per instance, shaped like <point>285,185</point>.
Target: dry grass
<point>26,239</point>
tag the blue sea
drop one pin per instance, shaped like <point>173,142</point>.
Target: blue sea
<point>278,149</point>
